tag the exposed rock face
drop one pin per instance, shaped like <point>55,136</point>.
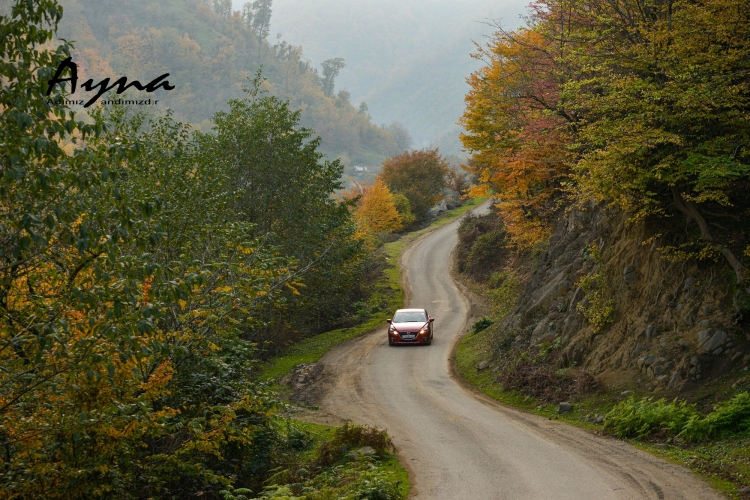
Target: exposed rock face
<point>673,323</point>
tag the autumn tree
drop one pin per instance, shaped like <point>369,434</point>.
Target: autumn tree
<point>419,175</point>
<point>517,131</point>
<point>663,112</point>
<point>377,210</point>
<point>128,280</point>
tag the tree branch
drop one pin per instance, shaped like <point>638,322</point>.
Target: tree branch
<point>691,211</point>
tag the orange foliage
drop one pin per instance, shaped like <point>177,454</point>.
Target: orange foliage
<point>515,134</point>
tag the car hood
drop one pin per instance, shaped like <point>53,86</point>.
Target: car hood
<point>408,327</point>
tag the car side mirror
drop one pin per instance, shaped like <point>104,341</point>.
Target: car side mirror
<point>431,320</point>
<point>389,320</point>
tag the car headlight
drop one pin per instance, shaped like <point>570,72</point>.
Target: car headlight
<point>392,330</point>
<point>423,330</point>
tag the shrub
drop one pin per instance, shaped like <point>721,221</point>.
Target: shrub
<point>351,435</point>
<point>544,382</point>
<point>728,418</point>
<point>644,417</point>
<point>481,325</point>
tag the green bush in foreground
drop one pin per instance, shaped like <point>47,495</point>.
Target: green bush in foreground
<point>643,418</point>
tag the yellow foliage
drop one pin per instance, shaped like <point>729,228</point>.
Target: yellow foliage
<point>377,209</point>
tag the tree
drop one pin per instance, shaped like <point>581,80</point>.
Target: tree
<point>125,275</point>
<point>517,131</point>
<point>663,111</point>
<point>286,190</point>
<point>257,16</point>
<point>401,135</point>
<point>404,209</point>
<point>376,209</point>
<point>331,68</point>
<point>420,176</point>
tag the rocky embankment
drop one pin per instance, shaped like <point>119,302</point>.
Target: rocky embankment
<point>605,294</point>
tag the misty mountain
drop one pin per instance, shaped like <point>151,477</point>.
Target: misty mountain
<point>407,60</point>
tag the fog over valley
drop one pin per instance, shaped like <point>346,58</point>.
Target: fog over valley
<point>407,60</point>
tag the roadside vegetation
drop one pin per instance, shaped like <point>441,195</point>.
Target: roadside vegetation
<point>707,430</point>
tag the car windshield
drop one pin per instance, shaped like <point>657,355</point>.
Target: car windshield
<point>410,317</point>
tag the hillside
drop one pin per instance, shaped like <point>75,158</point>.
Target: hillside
<point>210,52</point>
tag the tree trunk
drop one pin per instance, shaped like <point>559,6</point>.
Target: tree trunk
<point>690,209</point>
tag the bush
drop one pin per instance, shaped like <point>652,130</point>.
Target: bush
<point>351,435</point>
<point>645,417</point>
<point>481,325</point>
<point>541,380</point>
<point>728,418</point>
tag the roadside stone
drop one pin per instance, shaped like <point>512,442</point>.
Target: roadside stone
<point>628,270</point>
<point>704,335</point>
<point>626,393</point>
<point>661,446</point>
<point>564,287</point>
<point>367,451</point>
<point>649,360</point>
<point>600,419</point>
<point>630,278</point>
<point>564,407</point>
<point>661,378</point>
<point>676,379</point>
<point>540,330</point>
<point>717,351</point>
<point>689,319</point>
<point>639,348</point>
<point>658,370</point>
<point>719,339</point>
<point>650,331</point>
<point>482,365</point>
<point>707,309</point>
<point>704,323</point>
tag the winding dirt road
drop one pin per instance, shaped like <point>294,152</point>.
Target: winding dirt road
<point>461,446</point>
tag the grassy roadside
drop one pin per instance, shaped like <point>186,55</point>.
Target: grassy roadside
<point>389,288</point>
<point>724,463</point>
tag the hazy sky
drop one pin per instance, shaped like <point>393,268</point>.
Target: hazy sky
<point>408,59</point>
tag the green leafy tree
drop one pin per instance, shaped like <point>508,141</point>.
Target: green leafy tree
<point>419,175</point>
<point>286,190</point>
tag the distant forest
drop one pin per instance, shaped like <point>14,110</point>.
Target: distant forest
<point>210,51</point>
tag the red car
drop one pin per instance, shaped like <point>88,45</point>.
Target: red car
<point>410,326</point>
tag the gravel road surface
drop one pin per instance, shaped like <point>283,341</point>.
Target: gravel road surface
<point>458,445</point>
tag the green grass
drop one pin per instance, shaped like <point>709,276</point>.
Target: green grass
<point>312,349</point>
